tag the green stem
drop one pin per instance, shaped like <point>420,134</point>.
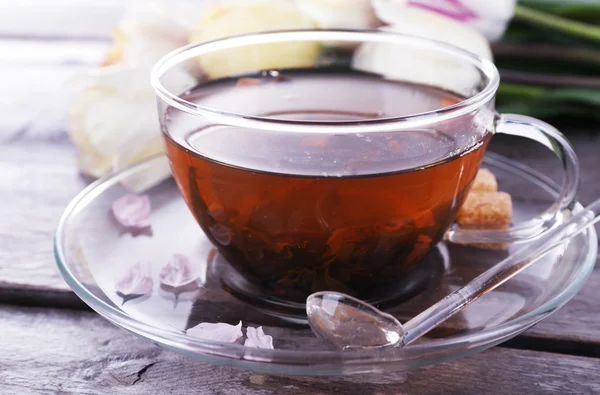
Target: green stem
<point>557,23</point>
<point>520,90</point>
<point>546,51</point>
<point>549,80</point>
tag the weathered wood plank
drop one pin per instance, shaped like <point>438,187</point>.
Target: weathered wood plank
<point>80,353</point>
<point>60,18</point>
<point>586,144</point>
<point>578,321</point>
<point>37,181</point>
<point>35,84</point>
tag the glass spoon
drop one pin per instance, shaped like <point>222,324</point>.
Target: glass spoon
<point>348,323</point>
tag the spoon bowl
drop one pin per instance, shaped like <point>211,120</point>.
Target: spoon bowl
<point>348,323</point>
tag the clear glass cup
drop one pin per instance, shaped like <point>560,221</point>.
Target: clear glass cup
<point>319,160</point>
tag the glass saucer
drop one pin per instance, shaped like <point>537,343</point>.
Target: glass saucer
<point>93,252</point>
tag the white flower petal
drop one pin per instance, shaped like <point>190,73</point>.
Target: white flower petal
<point>178,272</point>
<point>152,28</point>
<point>338,14</point>
<point>132,211</point>
<point>422,66</point>
<point>106,125</point>
<point>489,17</point>
<point>114,120</point>
<point>243,17</point>
<point>389,11</point>
<point>172,18</point>
<point>256,338</point>
<point>144,46</point>
<point>219,331</point>
<point>431,25</point>
<point>136,281</point>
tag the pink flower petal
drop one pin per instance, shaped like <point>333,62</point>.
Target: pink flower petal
<point>132,211</point>
<point>256,338</point>
<point>136,281</point>
<point>451,8</point>
<point>220,331</point>
<point>178,272</point>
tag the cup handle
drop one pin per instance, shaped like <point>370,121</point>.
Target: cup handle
<point>543,133</point>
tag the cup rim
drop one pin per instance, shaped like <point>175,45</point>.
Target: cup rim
<point>390,124</point>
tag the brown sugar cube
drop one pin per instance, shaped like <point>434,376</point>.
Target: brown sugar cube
<point>486,210</point>
<point>485,181</point>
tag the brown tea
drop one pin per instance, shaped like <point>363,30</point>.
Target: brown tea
<point>299,213</point>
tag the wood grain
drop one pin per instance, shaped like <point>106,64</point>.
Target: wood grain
<point>573,329</point>
<point>39,19</point>
<point>80,353</point>
<point>586,143</point>
<point>37,85</point>
<point>37,181</point>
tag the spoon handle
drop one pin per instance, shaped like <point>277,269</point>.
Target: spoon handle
<point>498,274</point>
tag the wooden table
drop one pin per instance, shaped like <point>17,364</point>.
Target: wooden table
<point>50,342</point>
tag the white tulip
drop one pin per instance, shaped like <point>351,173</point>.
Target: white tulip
<point>340,14</point>
<point>489,17</point>
<point>422,66</point>
<point>152,28</point>
<point>389,12</point>
<point>114,118</point>
<point>114,121</point>
<point>249,17</point>
<point>423,23</point>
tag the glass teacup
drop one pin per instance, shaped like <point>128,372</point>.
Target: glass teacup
<point>335,160</point>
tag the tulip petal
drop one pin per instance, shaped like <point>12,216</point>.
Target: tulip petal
<point>219,332</point>
<point>248,17</point>
<point>178,272</point>
<point>256,338</point>
<point>422,66</point>
<point>337,14</point>
<point>489,17</point>
<point>132,211</point>
<point>113,121</point>
<point>136,281</point>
